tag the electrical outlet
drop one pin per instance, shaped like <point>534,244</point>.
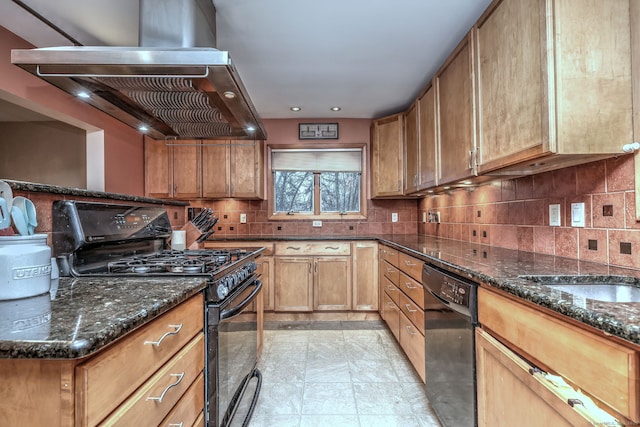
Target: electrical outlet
<point>424,217</point>
<point>243,218</point>
<point>554,215</point>
<point>317,224</point>
<point>436,217</point>
<point>394,217</point>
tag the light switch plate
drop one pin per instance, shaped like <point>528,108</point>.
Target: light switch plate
<point>394,217</point>
<point>243,218</point>
<point>554,215</point>
<point>577,215</point>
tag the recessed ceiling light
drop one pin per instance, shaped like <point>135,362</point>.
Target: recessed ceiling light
<point>143,128</point>
<point>467,182</point>
<point>83,95</point>
<point>295,109</point>
<point>250,128</point>
<point>335,108</point>
<point>229,95</point>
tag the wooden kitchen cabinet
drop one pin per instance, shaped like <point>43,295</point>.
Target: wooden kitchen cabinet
<point>233,170</point>
<point>427,139</point>
<point>508,394</point>
<point>598,365</point>
<point>158,169</point>
<point>187,169</point>
<point>387,159</point>
<point>172,171</point>
<point>83,392</point>
<point>391,315</point>
<point>293,285</point>
<point>365,276</point>
<point>332,283</point>
<point>455,101</point>
<point>411,150</point>
<point>554,84</point>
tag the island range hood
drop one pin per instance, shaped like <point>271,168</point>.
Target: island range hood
<point>175,85</point>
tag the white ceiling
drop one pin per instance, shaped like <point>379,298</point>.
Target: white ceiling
<point>370,57</point>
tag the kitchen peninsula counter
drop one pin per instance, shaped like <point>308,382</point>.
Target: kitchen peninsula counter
<point>501,268</point>
<point>86,314</point>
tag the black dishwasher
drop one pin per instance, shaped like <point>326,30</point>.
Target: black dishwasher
<point>450,347</point>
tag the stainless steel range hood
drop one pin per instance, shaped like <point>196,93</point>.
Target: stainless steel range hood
<point>166,85</point>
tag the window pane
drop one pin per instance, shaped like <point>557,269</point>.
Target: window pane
<point>339,192</point>
<point>293,191</point>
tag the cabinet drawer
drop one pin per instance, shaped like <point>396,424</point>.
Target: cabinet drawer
<point>151,403</point>
<point>607,370</point>
<point>410,265</point>
<point>412,342</point>
<point>413,289</point>
<point>313,248</point>
<point>389,255</point>
<point>106,380</point>
<point>391,272</point>
<point>412,311</point>
<point>190,406</point>
<point>268,246</point>
<point>391,315</point>
<point>391,289</point>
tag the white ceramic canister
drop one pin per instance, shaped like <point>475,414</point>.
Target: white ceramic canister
<point>25,266</point>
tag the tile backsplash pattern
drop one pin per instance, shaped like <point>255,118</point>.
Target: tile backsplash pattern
<point>258,224</point>
<point>514,213</point>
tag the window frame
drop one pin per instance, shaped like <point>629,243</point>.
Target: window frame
<point>283,216</point>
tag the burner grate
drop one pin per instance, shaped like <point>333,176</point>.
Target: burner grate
<point>170,261</point>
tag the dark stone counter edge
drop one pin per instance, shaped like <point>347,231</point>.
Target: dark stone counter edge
<point>82,348</point>
<point>514,286</point>
<point>54,189</point>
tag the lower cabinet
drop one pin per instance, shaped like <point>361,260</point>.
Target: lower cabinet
<point>412,342</point>
<point>391,315</point>
<point>512,392</point>
<point>293,287</point>
<point>332,283</point>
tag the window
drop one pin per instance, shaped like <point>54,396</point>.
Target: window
<point>317,182</point>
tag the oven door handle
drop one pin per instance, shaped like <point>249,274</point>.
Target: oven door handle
<point>226,314</point>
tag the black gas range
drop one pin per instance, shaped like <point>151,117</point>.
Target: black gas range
<point>112,240</point>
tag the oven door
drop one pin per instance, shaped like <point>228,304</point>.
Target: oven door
<point>234,381</point>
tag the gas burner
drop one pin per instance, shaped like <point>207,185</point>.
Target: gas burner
<point>142,267</point>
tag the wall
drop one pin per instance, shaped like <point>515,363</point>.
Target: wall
<point>124,159</point>
<point>285,131</point>
<point>514,213</point>
<point>44,152</point>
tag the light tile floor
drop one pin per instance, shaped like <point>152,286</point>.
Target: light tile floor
<point>338,374</point>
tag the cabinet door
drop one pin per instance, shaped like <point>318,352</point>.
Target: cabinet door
<point>265,267</point>
<point>509,395</point>
<point>455,105</point>
<point>186,169</point>
<point>215,170</point>
<point>247,170</point>
<point>158,176</point>
<point>365,276</point>
<point>391,315</point>
<point>412,342</point>
<point>387,157</point>
<point>510,83</point>
<point>293,284</point>
<point>332,283</point>
<point>411,150</point>
<point>428,140</point>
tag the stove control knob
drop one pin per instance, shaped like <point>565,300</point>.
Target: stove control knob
<point>252,266</point>
<point>223,290</point>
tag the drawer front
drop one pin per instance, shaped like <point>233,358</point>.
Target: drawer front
<point>412,342</point>
<point>151,403</point>
<point>600,367</point>
<point>412,311</point>
<point>391,289</point>
<point>391,315</point>
<point>268,246</point>
<point>313,248</point>
<point>107,379</point>
<point>410,265</point>
<point>190,406</point>
<point>390,255</point>
<point>391,272</point>
<point>413,289</point>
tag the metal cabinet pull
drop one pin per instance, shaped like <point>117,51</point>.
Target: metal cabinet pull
<point>390,270</point>
<point>409,330</point>
<point>391,288</point>
<point>315,266</point>
<point>170,386</point>
<point>174,332</point>
<point>333,248</point>
<point>409,308</point>
<point>293,247</point>
<point>409,286</point>
<point>409,263</point>
<point>180,424</point>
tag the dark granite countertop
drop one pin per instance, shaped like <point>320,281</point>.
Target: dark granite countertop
<point>33,187</point>
<point>501,268</point>
<point>86,314</point>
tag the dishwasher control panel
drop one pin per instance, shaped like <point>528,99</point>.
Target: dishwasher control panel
<point>453,290</point>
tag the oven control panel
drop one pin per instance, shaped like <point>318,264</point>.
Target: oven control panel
<point>230,281</point>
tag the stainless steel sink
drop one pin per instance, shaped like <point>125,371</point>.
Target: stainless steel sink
<point>599,288</point>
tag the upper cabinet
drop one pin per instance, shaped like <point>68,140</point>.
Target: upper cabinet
<point>204,169</point>
<point>554,82</point>
<point>411,150</point>
<point>455,103</point>
<point>387,160</point>
<point>428,138</point>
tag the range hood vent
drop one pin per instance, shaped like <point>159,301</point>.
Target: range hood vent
<point>166,86</point>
